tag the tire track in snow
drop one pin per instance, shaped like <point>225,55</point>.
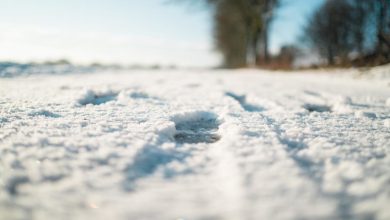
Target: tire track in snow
<point>223,171</point>
<point>314,172</point>
<point>263,162</point>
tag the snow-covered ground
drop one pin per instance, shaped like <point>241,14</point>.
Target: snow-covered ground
<point>10,69</point>
<point>196,145</point>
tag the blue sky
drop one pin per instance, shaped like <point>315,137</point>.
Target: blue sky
<point>290,20</point>
<point>126,32</point>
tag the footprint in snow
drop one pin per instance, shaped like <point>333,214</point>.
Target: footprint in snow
<point>96,98</point>
<point>317,108</point>
<point>197,127</point>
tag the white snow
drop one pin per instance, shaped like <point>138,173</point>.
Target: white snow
<point>195,145</point>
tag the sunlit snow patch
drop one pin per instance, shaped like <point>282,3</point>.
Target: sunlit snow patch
<point>196,127</point>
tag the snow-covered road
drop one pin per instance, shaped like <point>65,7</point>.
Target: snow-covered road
<point>206,145</point>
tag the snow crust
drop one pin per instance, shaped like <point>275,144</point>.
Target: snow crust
<point>205,145</point>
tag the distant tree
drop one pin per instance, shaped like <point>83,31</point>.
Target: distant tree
<point>342,27</point>
<point>289,52</point>
<point>382,14</point>
<point>241,27</point>
<point>361,15</point>
<point>238,26</point>
<point>267,16</point>
<point>230,33</point>
<point>330,30</point>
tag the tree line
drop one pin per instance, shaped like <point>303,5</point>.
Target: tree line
<point>342,32</point>
<point>351,32</point>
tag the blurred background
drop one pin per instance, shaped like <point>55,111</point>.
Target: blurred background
<point>273,34</point>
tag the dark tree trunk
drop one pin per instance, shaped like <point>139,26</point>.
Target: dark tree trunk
<point>256,46</point>
<point>382,20</point>
<point>330,56</point>
<point>266,42</point>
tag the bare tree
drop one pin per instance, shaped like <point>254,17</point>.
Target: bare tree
<point>342,27</point>
<point>325,29</point>
<point>230,33</point>
<point>383,27</point>
<point>267,17</point>
<point>240,28</point>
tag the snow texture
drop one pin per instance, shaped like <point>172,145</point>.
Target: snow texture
<point>206,145</point>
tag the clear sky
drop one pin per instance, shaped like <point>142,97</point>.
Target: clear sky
<point>123,31</point>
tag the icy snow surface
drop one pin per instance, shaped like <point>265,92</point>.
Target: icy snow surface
<point>195,145</point>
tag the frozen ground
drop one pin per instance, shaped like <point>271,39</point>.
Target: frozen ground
<point>187,145</point>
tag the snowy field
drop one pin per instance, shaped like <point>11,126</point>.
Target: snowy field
<point>196,145</point>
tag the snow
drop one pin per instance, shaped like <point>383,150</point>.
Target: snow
<point>196,145</point>
<point>10,69</point>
